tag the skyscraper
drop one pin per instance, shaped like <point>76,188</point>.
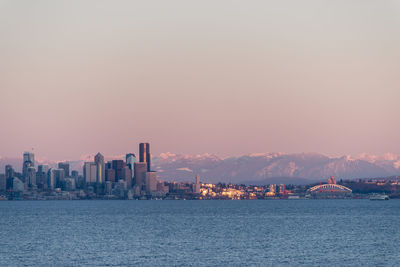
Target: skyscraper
<point>9,177</point>
<point>140,172</point>
<point>126,175</point>
<point>9,171</point>
<point>197,184</point>
<point>110,175</point>
<point>75,175</point>
<point>41,176</point>
<point>144,154</point>
<point>130,161</point>
<point>100,166</point>
<point>65,167</point>
<point>59,176</point>
<point>43,168</point>
<point>90,172</point>
<point>30,178</point>
<point>28,161</point>
<point>118,166</point>
<point>151,182</point>
<point>51,179</point>
<point>9,183</point>
<point>3,182</point>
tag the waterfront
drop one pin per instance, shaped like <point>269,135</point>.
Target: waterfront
<point>206,233</point>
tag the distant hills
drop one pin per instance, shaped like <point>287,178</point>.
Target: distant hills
<point>262,168</point>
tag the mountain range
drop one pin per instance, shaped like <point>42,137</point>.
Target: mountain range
<point>267,168</point>
<point>262,168</point>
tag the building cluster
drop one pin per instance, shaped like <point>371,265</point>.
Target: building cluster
<point>131,178</point>
<point>361,187</point>
<point>119,178</point>
<point>235,191</point>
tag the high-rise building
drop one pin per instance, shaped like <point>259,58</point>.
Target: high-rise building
<point>118,167</point>
<point>118,164</point>
<point>41,176</point>
<point>126,175</point>
<point>30,178</point>
<point>110,175</point>
<point>28,161</point>
<point>75,175</point>
<point>9,183</point>
<point>9,177</point>
<point>151,182</point>
<point>59,176</point>
<point>65,167</point>
<point>2,182</point>
<point>130,162</point>
<point>140,172</point>
<point>9,171</point>
<point>43,168</point>
<point>90,172</point>
<point>79,180</point>
<point>100,168</point>
<point>110,172</point>
<point>51,180</point>
<point>144,154</point>
<point>197,184</point>
<point>109,165</point>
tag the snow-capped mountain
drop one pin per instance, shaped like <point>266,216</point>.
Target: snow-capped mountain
<point>304,167</point>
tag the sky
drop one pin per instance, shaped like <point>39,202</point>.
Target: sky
<point>223,77</point>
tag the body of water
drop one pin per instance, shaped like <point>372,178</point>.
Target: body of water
<point>200,233</point>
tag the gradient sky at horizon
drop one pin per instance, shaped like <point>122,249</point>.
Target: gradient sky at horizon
<point>224,77</point>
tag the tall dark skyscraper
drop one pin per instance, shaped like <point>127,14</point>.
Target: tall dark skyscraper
<point>41,176</point>
<point>118,164</point>
<point>3,182</point>
<point>29,161</point>
<point>144,154</point>
<point>65,167</point>
<point>44,168</point>
<point>9,172</point>
<point>118,167</point>
<point>9,177</point>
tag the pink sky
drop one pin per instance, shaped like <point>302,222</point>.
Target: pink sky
<point>223,77</point>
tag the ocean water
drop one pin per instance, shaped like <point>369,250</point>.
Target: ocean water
<point>200,233</point>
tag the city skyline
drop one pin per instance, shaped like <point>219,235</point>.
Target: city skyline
<point>224,78</point>
<point>258,168</point>
<point>133,179</point>
<point>112,179</point>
